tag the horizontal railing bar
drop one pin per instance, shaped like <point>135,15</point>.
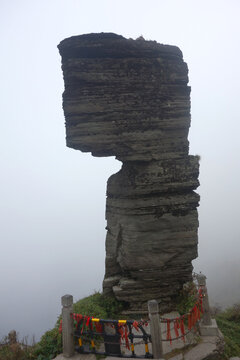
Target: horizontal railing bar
<point>110,335</point>
<point>83,351</point>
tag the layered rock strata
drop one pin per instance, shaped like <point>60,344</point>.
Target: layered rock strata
<point>130,98</point>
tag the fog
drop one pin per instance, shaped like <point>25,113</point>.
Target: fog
<point>52,199</point>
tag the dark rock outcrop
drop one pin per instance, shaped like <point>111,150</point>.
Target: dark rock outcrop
<point>130,99</point>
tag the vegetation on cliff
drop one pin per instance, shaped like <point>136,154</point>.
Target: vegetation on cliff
<point>229,323</point>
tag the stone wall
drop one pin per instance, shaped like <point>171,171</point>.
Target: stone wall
<point>130,98</point>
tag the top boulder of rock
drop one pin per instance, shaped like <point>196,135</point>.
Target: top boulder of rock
<point>124,97</point>
<point>113,46</point>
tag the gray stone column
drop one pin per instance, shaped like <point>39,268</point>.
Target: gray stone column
<point>155,329</point>
<point>206,320</point>
<point>67,326</point>
<point>130,99</point>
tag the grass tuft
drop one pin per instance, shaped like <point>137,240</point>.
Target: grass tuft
<point>229,323</point>
<point>99,306</point>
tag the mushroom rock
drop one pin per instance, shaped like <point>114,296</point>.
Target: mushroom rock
<point>130,98</point>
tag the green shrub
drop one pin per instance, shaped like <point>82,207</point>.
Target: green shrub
<point>187,298</point>
<point>13,352</point>
<point>49,346</point>
<point>230,348</point>
<point>229,323</point>
<point>16,352</point>
<point>232,314</point>
<point>99,306</point>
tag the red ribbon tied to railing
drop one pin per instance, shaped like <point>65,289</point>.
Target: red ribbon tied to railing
<point>182,328</point>
<point>176,327</point>
<point>169,337</point>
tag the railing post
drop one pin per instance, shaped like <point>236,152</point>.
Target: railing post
<point>67,326</point>
<point>155,329</point>
<point>206,319</point>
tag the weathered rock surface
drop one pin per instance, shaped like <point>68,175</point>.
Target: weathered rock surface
<point>130,98</point>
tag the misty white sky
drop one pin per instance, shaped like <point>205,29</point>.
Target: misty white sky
<point>52,199</point>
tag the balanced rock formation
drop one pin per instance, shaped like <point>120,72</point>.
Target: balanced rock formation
<point>129,98</point>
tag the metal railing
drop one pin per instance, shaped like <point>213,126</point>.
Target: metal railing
<point>116,335</point>
<point>120,337</point>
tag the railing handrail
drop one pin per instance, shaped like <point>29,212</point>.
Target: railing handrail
<point>201,307</point>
